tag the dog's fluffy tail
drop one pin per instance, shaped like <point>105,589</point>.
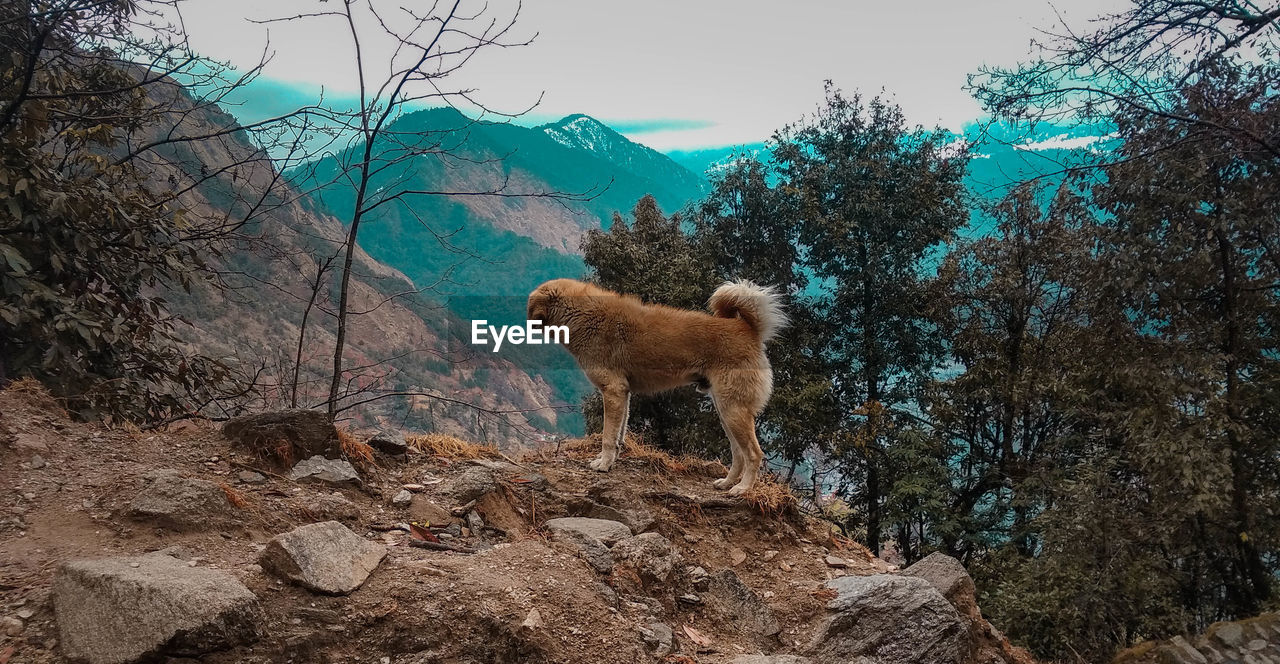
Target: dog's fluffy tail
<point>759,306</point>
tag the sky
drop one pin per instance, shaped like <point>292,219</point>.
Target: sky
<point>672,74</point>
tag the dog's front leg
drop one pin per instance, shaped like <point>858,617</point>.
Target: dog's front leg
<point>617,401</point>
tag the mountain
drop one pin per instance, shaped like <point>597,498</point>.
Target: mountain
<point>481,255</point>
<point>672,180</point>
<point>401,342</point>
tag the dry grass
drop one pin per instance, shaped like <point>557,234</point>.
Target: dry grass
<point>771,497</point>
<point>451,447</point>
<point>824,594</point>
<point>353,449</point>
<point>36,395</point>
<point>236,498</point>
<point>634,447</point>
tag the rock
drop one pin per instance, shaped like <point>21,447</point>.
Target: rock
<point>402,499</point>
<point>891,619</point>
<point>251,477</point>
<point>331,507</point>
<point>10,626</point>
<point>607,532</point>
<point>334,472</point>
<point>179,503</point>
<point>737,556</point>
<point>533,621</point>
<point>769,555</point>
<point>659,637</point>
<point>638,519</point>
<point>947,575</point>
<point>38,462</point>
<point>25,614</point>
<point>423,510</point>
<point>690,599</point>
<point>734,602</point>
<point>306,432</point>
<point>473,483</point>
<point>650,553</point>
<point>117,610</point>
<point>836,561</point>
<point>699,578</point>
<point>592,550</point>
<point>325,557</point>
<point>389,441</point>
<point>782,659</point>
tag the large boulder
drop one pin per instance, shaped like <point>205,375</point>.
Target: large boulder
<point>117,610</point>
<point>608,532</point>
<point>284,435</point>
<point>893,620</point>
<point>334,472</point>
<point>948,576</point>
<point>325,557</point>
<point>180,503</point>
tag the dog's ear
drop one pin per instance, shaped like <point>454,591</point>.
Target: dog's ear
<point>539,305</point>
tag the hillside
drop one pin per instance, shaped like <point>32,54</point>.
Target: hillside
<point>252,320</point>
<point>109,534</point>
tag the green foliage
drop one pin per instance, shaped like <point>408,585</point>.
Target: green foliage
<point>83,244</point>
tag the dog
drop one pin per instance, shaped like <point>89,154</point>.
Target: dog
<point>625,346</point>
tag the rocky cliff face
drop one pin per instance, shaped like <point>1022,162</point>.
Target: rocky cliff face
<point>445,553</point>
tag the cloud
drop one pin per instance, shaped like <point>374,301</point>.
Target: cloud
<point>651,125</point>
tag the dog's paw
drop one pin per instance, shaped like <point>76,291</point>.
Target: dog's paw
<point>739,489</point>
<point>601,464</point>
<point>722,483</point>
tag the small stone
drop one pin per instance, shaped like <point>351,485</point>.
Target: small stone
<point>659,637</point>
<point>699,577</point>
<point>769,555</point>
<point>389,441</point>
<point>608,532</point>
<point>416,488</point>
<point>473,483</point>
<point>650,553</point>
<point>785,566</point>
<point>533,621</point>
<point>836,561</point>
<point>251,477</point>
<point>331,507</point>
<point>38,462</point>
<point>10,626</point>
<point>325,557</point>
<point>26,614</point>
<point>691,538</point>
<point>690,598</point>
<point>737,556</point>
<point>403,498</point>
<point>327,471</point>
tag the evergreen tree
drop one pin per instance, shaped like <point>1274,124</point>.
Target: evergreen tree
<point>875,198</point>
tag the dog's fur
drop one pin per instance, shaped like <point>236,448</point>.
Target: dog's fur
<point>624,346</point>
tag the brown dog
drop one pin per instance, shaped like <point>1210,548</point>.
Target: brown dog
<point>624,346</point>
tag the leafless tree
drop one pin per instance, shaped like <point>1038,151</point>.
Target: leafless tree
<point>429,50</point>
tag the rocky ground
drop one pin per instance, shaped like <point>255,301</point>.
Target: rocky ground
<point>277,540</point>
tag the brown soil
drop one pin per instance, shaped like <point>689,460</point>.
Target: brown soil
<point>419,605</point>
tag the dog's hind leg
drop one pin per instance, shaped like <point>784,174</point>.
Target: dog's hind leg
<point>617,399</point>
<point>741,421</point>
<point>735,470</point>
